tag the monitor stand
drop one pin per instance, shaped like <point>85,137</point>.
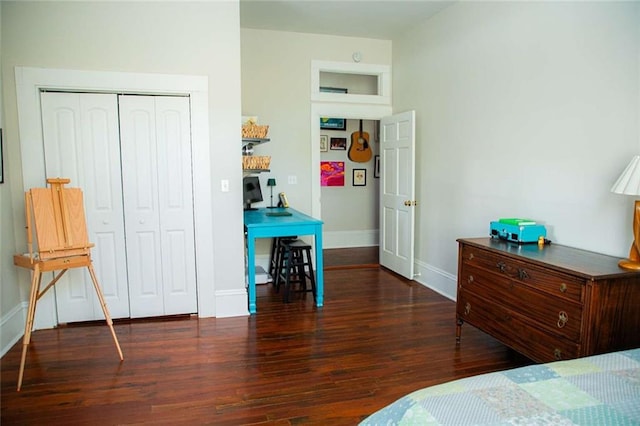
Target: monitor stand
<point>247,207</point>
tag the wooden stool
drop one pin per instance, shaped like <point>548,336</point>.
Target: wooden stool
<point>296,268</point>
<point>276,258</point>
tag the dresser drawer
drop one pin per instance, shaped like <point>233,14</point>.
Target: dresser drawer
<point>512,329</point>
<point>556,283</point>
<point>557,315</point>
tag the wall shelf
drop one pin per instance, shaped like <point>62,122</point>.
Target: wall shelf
<point>247,150</point>
<point>254,141</point>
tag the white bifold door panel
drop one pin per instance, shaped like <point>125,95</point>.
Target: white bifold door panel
<point>81,142</point>
<point>131,157</point>
<point>397,193</point>
<point>155,135</point>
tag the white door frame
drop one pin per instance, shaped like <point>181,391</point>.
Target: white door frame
<point>348,106</point>
<point>31,81</point>
<point>332,109</point>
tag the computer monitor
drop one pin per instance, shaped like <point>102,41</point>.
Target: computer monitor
<point>251,191</point>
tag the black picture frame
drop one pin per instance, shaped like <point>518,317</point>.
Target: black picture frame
<point>359,177</point>
<point>338,144</point>
<point>1,159</point>
<point>376,166</point>
<point>328,123</point>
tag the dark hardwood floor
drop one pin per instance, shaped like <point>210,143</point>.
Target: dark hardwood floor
<point>378,337</point>
<point>359,257</point>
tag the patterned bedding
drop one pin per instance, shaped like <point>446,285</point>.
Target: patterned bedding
<point>596,390</point>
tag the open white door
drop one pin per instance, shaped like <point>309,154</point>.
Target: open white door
<point>397,192</point>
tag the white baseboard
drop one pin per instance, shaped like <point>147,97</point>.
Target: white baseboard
<point>12,327</point>
<point>346,239</point>
<point>232,303</point>
<point>436,279</point>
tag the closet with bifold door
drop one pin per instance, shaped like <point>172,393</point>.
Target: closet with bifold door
<point>131,155</point>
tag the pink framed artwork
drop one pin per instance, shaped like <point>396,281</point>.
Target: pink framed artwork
<point>332,173</point>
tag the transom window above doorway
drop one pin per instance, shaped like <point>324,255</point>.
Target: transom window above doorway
<point>364,83</point>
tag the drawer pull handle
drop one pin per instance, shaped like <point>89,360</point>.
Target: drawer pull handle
<point>522,274</point>
<point>502,266</point>
<point>563,318</point>
<point>557,354</point>
<point>470,279</point>
<point>471,256</point>
<point>467,308</point>
<point>563,288</point>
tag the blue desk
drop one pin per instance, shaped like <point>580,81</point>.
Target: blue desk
<point>258,225</point>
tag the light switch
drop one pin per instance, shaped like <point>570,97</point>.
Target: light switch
<point>293,180</point>
<point>224,185</point>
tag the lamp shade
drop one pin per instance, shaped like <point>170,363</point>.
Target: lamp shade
<point>629,181</point>
<point>271,182</point>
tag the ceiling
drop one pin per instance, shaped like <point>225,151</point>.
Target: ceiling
<point>376,19</point>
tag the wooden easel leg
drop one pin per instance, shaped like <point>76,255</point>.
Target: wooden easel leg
<point>104,308</point>
<point>31,312</point>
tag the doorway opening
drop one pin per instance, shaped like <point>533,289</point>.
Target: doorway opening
<point>349,184</point>
<point>346,249</point>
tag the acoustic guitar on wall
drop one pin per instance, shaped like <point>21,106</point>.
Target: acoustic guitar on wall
<point>360,150</point>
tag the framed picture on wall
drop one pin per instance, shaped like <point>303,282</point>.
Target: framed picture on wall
<point>339,144</point>
<point>1,160</point>
<point>332,173</point>
<point>359,177</point>
<point>376,166</point>
<point>328,123</point>
<point>324,143</point>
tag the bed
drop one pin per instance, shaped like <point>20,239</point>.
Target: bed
<point>597,390</point>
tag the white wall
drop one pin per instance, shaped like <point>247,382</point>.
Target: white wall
<point>9,292</point>
<point>524,109</point>
<point>199,38</point>
<point>276,87</point>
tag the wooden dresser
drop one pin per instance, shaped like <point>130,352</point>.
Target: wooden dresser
<point>548,303</point>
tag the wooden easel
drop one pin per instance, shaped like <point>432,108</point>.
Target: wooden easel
<point>63,244</point>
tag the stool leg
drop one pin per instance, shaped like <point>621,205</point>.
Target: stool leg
<point>299,265</point>
<point>281,251</point>
<point>287,277</point>
<point>312,278</point>
<point>31,312</point>
<point>279,266</point>
<point>104,308</point>
<point>272,257</point>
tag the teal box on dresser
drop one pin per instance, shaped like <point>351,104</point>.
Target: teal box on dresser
<point>517,231</point>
